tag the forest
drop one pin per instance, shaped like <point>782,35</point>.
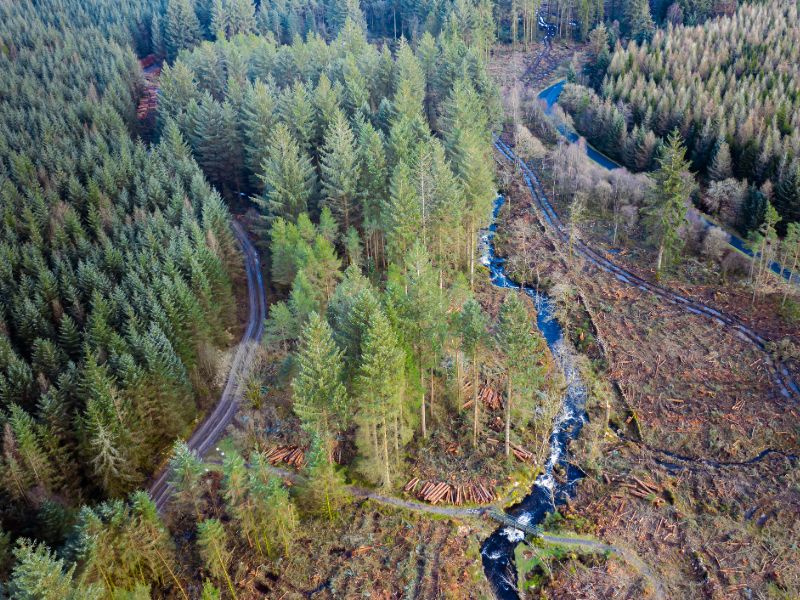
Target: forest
<point>729,87</point>
<point>357,145</point>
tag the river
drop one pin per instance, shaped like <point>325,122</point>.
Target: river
<point>549,490</point>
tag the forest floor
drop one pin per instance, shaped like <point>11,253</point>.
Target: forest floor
<point>666,382</point>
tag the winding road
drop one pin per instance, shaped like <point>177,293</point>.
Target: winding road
<point>210,430</point>
<point>783,379</point>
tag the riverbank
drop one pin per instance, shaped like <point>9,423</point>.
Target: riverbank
<point>688,387</point>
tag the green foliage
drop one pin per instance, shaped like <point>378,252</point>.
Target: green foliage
<point>115,257</point>
<point>318,394</point>
<point>212,541</point>
<point>669,199</point>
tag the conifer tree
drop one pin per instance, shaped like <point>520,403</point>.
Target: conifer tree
<point>720,168</point>
<point>638,20</point>
<point>523,351</point>
<point>186,470</point>
<point>259,121</point>
<point>318,394</point>
<point>280,327</point>
<point>472,326</point>
<point>181,29</point>
<point>288,178</point>
<point>324,491</point>
<point>340,173</point>
<point>379,382</point>
<point>39,575</point>
<point>212,541</point>
<point>667,210</point>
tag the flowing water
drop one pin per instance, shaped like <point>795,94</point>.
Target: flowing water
<point>549,490</point>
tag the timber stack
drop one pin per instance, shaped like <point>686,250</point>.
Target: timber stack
<point>435,492</point>
<point>291,455</point>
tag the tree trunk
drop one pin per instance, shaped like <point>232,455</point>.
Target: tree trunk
<point>422,385</point>
<point>508,419</point>
<point>386,477</point>
<point>476,407</point>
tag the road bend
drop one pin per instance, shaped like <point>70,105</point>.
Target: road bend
<point>210,430</point>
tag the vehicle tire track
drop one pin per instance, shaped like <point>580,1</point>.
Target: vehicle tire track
<point>778,369</point>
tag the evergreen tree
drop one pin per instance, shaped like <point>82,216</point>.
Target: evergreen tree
<point>186,470</point>
<point>318,395</point>
<point>720,168</point>
<point>379,382</point>
<point>473,328</point>
<point>340,173</point>
<point>280,327</point>
<point>523,352</point>
<point>667,210</point>
<point>639,21</point>
<point>181,29</point>
<point>212,541</point>
<point>288,178</point>
<point>39,575</point>
<point>324,491</point>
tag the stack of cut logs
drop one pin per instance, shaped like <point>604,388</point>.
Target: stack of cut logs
<point>291,455</point>
<point>148,103</point>
<point>490,398</point>
<point>435,492</point>
<point>522,454</point>
<point>519,452</point>
<point>644,490</point>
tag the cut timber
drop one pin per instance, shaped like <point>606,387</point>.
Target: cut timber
<point>291,455</point>
<point>436,492</point>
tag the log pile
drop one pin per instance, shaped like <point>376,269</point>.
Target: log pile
<point>522,454</point>
<point>291,455</point>
<point>491,399</point>
<point>645,490</point>
<point>434,492</point>
<point>148,103</point>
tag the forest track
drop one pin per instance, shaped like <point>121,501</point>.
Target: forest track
<point>210,430</point>
<point>732,323</point>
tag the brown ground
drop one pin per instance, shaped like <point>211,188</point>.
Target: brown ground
<point>687,387</point>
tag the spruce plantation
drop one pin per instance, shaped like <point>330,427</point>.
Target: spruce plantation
<point>464,299</point>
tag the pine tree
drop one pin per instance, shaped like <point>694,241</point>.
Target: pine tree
<point>666,212</point>
<point>324,491</point>
<point>280,327</point>
<point>791,255</point>
<point>523,352</point>
<point>288,178</point>
<point>259,121</point>
<point>765,248</point>
<point>181,29</point>
<point>473,329</point>
<point>340,173</point>
<point>39,575</point>
<point>638,20</point>
<point>379,383</point>
<point>721,165</point>
<point>318,395</point>
<point>212,541</point>
<point>403,216</point>
<point>186,471</point>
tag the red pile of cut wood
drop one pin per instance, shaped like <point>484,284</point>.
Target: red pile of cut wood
<point>148,103</point>
<point>435,492</point>
<point>491,399</point>
<point>291,455</point>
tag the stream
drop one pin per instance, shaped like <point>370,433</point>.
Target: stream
<point>497,552</point>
